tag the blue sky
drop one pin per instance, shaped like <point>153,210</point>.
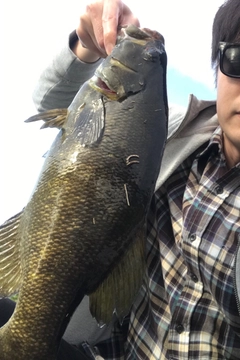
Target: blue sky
<point>180,86</point>
<point>32,32</point>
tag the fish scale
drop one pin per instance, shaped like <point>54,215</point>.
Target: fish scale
<point>83,229</point>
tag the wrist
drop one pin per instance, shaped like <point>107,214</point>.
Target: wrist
<point>82,53</point>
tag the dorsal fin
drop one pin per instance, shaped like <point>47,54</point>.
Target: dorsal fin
<point>10,265</point>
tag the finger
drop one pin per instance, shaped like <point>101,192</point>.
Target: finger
<point>126,17</point>
<point>114,17</point>
<point>85,33</point>
<point>129,18</point>
<point>110,21</point>
<point>88,43</point>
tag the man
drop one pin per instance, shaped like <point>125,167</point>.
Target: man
<point>189,304</point>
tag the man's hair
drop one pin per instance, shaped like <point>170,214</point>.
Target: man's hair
<point>226,27</point>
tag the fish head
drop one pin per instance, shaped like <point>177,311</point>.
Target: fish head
<point>131,64</point>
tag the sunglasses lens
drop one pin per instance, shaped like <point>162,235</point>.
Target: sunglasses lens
<point>231,61</point>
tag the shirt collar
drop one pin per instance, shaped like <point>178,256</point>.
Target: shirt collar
<point>213,148</point>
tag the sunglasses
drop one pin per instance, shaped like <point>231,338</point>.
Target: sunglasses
<point>230,59</point>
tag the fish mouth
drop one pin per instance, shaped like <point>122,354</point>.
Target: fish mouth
<point>102,86</point>
<point>115,91</point>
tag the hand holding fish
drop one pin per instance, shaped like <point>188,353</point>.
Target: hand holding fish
<point>97,31</point>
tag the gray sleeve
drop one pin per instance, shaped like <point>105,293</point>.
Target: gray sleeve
<point>60,81</point>
<point>84,328</point>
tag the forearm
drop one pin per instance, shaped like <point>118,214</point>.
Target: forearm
<point>61,80</point>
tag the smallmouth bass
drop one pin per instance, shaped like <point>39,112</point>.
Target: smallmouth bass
<point>83,226</point>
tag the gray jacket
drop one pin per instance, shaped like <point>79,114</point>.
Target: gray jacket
<point>188,130</point>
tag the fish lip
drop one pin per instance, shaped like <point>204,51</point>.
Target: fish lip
<point>101,80</point>
<point>144,34</point>
<point>101,84</point>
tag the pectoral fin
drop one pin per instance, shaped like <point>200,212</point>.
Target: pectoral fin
<point>52,118</point>
<point>90,123</point>
<point>119,289</point>
<point>10,267</point>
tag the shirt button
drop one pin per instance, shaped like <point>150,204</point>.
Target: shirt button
<point>194,278</point>
<point>179,328</point>
<point>192,237</point>
<point>219,190</point>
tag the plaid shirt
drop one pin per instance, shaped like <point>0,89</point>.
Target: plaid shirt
<point>187,308</point>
